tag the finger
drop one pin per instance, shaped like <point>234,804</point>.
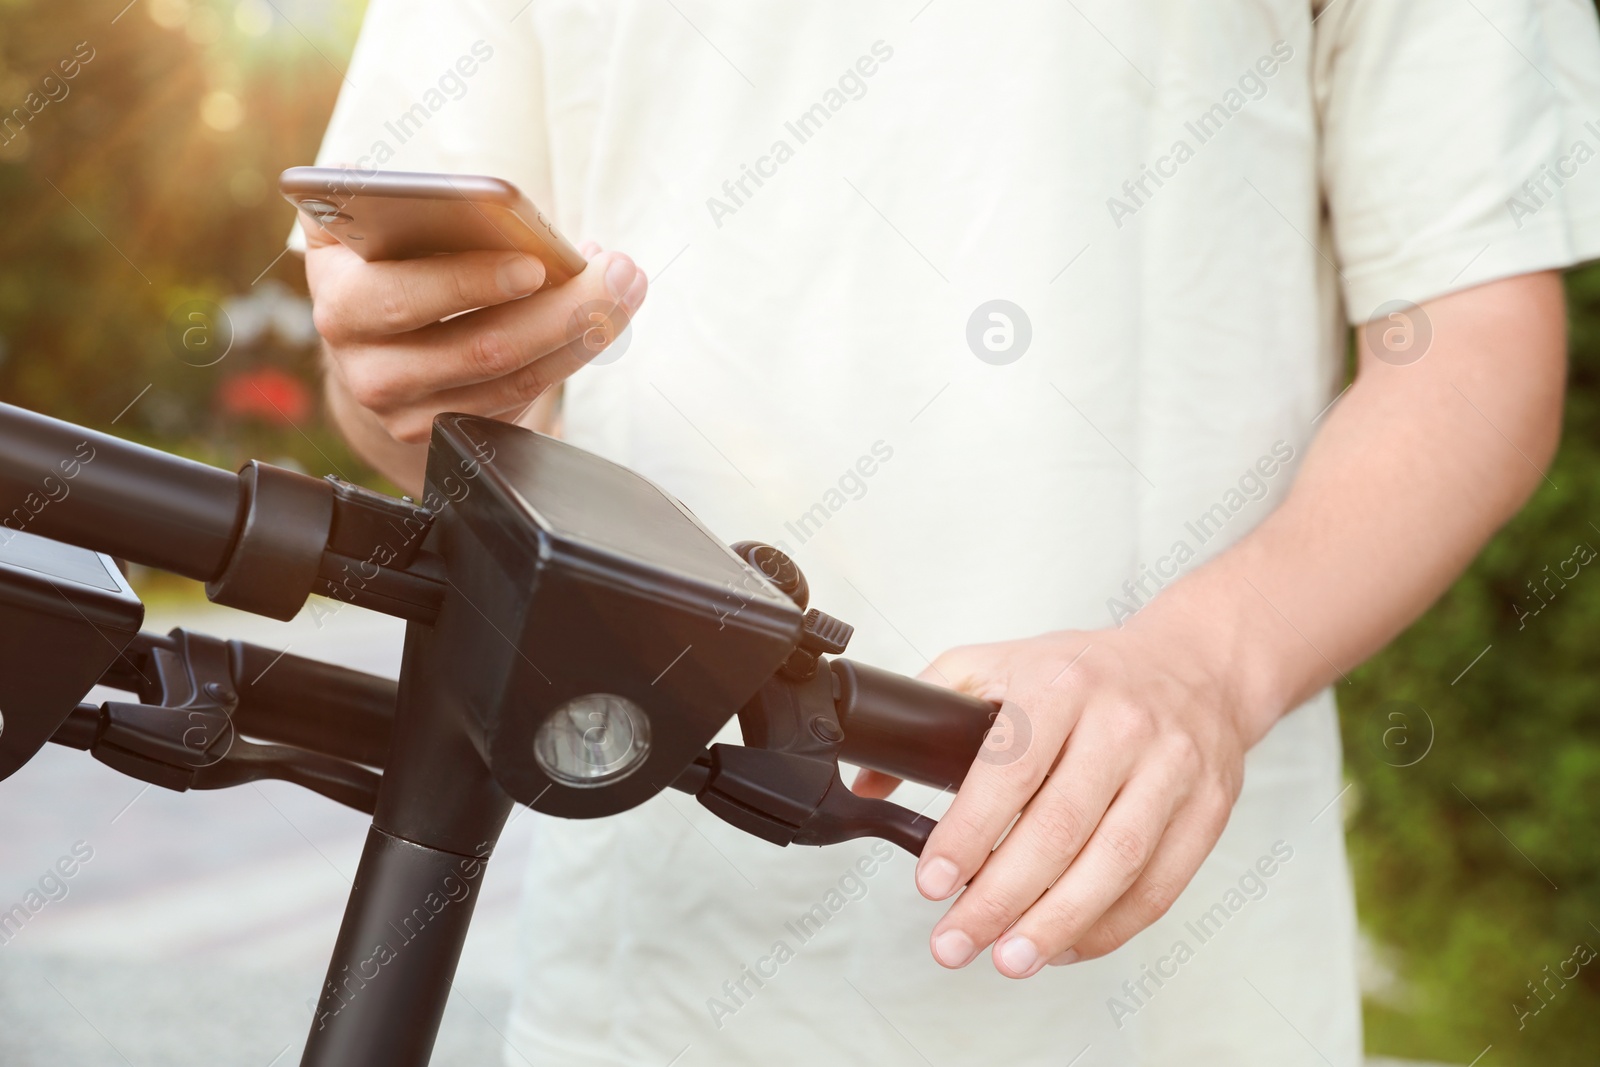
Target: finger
<point>969,669</point>
<point>1183,848</point>
<point>496,342</point>
<point>506,396</point>
<point>874,784</point>
<point>542,414</point>
<point>361,301</point>
<point>509,397</point>
<point>1117,853</point>
<point>590,249</point>
<point>590,312</point>
<point>991,795</point>
<point>1053,828</point>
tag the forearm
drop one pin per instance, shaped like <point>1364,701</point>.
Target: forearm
<point>1411,472</point>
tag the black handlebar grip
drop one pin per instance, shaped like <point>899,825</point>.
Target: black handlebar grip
<point>907,728</point>
<point>351,715</point>
<point>100,492</point>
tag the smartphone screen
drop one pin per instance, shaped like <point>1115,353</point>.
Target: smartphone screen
<point>383,215</point>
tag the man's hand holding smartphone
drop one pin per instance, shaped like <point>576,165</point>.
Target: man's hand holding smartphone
<point>475,332</point>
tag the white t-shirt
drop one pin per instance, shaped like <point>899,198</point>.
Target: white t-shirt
<point>1186,202</point>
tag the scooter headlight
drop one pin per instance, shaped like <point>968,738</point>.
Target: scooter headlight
<point>593,740</point>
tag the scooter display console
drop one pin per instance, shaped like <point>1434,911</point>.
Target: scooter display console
<point>65,614</point>
<point>621,633</point>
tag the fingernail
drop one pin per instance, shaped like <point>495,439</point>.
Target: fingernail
<point>937,878</point>
<point>620,273</point>
<point>954,949</point>
<point>635,294</point>
<point>520,275</point>
<point>1020,956</point>
<point>1069,956</point>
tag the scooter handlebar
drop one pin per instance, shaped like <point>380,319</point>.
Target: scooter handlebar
<point>96,491</point>
<point>910,729</point>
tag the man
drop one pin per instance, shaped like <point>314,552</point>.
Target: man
<point>1024,329</point>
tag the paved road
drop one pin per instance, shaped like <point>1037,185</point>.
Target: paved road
<point>201,925</point>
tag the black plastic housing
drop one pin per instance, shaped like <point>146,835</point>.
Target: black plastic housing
<point>591,580</point>
<point>65,615</point>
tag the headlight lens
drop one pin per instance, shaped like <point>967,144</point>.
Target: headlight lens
<point>593,740</point>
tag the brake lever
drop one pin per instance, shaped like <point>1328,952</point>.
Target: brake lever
<point>185,738</point>
<point>843,815</point>
<point>783,784</point>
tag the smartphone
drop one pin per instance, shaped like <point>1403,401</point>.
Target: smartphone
<point>383,215</point>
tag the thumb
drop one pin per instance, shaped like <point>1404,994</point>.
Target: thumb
<point>599,302</point>
<point>874,785</point>
<point>970,669</point>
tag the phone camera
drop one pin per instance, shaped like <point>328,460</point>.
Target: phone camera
<point>324,212</point>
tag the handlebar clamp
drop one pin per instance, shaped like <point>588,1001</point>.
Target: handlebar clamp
<point>275,558</point>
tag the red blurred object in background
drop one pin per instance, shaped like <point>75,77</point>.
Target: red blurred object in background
<point>270,395</point>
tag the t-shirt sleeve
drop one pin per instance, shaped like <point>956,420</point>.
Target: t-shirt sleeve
<point>454,88</point>
<point>1460,142</point>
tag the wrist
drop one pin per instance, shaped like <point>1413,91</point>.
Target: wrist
<point>1228,632</point>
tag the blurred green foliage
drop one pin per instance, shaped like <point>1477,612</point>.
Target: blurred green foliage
<point>1476,865</point>
<point>150,183</point>
<point>143,180</point>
